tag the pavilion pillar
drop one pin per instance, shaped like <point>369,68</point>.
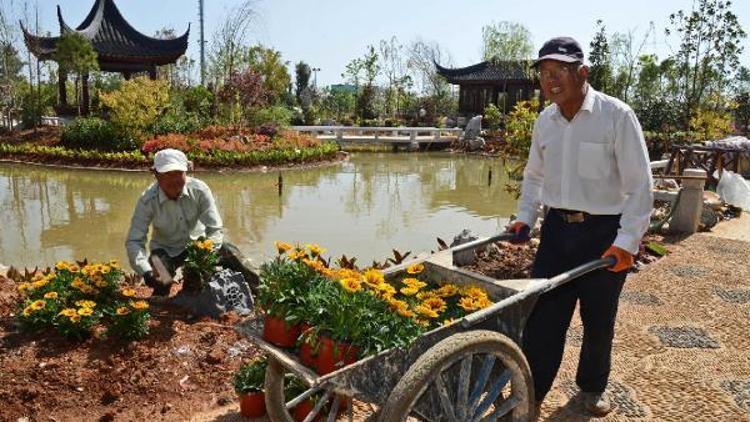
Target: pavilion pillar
<point>152,72</point>
<point>86,99</point>
<point>127,75</point>
<point>62,92</point>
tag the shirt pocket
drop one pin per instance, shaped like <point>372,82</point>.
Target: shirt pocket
<point>594,160</point>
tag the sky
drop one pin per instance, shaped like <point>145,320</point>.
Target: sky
<point>327,34</point>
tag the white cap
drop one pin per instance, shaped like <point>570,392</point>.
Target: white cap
<point>170,160</point>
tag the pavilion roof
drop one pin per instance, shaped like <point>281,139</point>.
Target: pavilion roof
<point>487,71</point>
<point>118,45</point>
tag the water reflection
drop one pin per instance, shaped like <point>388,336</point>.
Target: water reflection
<point>363,207</point>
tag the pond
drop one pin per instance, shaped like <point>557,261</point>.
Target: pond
<point>364,207</point>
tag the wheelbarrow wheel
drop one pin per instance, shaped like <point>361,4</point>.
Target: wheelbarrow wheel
<point>327,404</point>
<point>472,376</point>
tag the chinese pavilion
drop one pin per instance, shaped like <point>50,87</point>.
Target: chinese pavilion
<point>502,83</point>
<point>119,47</point>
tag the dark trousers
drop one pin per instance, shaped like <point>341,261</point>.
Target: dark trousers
<point>564,246</point>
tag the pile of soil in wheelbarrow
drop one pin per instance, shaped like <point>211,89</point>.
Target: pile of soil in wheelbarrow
<point>504,260</point>
<point>183,367</point>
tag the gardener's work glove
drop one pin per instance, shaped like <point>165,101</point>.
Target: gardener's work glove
<point>520,232</point>
<point>624,259</point>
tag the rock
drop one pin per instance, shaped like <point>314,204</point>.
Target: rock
<point>473,128</point>
<point>107,417</point>
<point>111,395</point>
<point>226,291</point>
<point>166,408</point>
<point>215,356</point>
<point>413,146</point>
<point>475,144</point>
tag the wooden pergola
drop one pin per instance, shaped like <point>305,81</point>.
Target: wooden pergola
<point>119,47</point>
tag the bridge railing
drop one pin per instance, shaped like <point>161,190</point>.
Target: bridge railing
<point>344,134</point>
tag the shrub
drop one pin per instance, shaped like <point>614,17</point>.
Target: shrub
<point>267,129</point>
<point>251,376</point>
<point>199,101</point>
<point>93,133</point>
<point>492,116</point>
<point>175,141</point>
<point>277,115</point>
<point>710,124</point>
<point>137,105</point>
<point>174,122</point>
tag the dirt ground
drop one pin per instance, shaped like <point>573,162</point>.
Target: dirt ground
<point>181,371</point>
<point>182,368</point>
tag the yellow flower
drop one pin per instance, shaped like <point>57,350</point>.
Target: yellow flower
<point>468,304</point>
<point>351,284</point>
<point>27,311</point>
<point>447,290</point>
<point>373,277</point>
<point>315,249</point>
<point>40,283</point>
<point>139,305</point>
<point>405,313</point>
<point>207,245</point>
<point>78,283</point>
<point>62,265</point>
<point>86,303</point>
<point>73,268</point>
<point>85,312</point>
<point>415,268</point>
<point>409,291</point>
<point>475,292</point>
<point>448,321</point>
<point>297,254</point>
<point>385,290</point>
<point>435,303</point>
<point>283,247</point>
<point>422,322</point>
<point>38,304</point>
<point>128,292</point>
<point>347,273</point>
<point>413,283</point>
<point>75,318</point>
<point>426,311</point>
<point>23,287</point>
<point>68,312</point>
<point>396,304</point>
<point>100,283</point>
<point>50,295</point>
<point>105,269</point>
<point>314,264</point>
<point>122,310</point>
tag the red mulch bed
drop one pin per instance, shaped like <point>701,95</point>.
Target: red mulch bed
<point>184,366</point>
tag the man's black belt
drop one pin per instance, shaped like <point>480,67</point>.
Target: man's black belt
<point>571,216</point>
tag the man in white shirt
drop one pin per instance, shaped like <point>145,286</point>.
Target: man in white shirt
<point>588,167</point>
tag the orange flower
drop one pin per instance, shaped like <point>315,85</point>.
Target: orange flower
<point>122,310</point>
<point>447,290</point>
<point>283,247</point>
<point>128,292</point>
<point>435,303</point>
<point>351,284</point>
<point>413,283</point>
<point>426,311</point>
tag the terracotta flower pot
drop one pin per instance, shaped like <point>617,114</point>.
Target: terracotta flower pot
<point>302,410</point>
<point>307,357</point>
<point>278,332</point>
<point>253,405</point>
<point>333,355</point>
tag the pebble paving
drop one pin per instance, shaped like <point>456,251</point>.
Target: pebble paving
<point>682,347</point>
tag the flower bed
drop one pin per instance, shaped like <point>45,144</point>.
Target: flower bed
<point>75,299</point>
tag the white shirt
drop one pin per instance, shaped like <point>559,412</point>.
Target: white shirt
<point>597,163</point>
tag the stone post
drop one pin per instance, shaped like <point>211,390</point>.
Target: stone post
<point>687,215</point>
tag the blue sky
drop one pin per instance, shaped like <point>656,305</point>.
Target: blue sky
<point>329,33</point>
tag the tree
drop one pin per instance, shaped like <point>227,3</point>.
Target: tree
<point>229,41</point>
<point>243,91</point>
<point>394,69</point>
<point>76,54</point>
<point>362,72</point>
<point>505,40</point>
<point>625,56</point>
<point>302,73</point>
<point>742,100</point>
<point>268,63</point>
<point>422,58</point>
<point>600,73</point>
<point>710,47</point>
<point>10,67</point>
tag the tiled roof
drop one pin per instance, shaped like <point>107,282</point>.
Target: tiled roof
<point>487,71</point>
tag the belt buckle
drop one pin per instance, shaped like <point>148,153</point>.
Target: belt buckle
<point>576,217</point>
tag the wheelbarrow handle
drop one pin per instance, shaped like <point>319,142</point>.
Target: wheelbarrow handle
<point>479,242</point>
<point>536,289</point>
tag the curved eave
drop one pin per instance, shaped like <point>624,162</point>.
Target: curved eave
<point>64,27</point>
<point>42,48</point>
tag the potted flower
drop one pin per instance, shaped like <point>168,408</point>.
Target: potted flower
<point>200,264</point>
<point>293,388</point>
<point>248,384</point>
<point>283,289</point>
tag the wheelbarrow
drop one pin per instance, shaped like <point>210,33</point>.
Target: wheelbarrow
<point>470,370</point>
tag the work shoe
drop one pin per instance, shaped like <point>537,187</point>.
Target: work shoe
<point>596,403</point>
<point>163,276</point>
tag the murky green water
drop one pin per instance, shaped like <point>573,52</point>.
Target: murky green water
<point>364,207</point>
